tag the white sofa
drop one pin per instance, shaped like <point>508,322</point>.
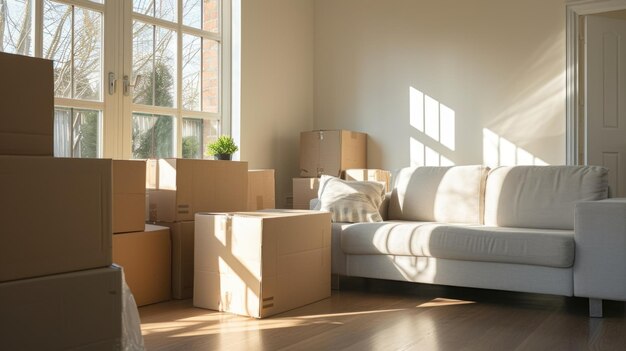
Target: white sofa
<point>539,229</point>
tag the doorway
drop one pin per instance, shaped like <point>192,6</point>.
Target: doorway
<point>596,88</point>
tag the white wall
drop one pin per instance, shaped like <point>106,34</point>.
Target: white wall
<point>276,85</point>
<point>494,69</point>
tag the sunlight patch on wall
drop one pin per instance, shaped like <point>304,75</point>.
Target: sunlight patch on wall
<point>432,118</point>
<point>498,151</point>
<point>422,155</point>
<point>436,122</point>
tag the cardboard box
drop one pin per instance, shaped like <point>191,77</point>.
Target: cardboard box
<point>184,187</point>
<point>182,234</point>
<point>261,189</point>
<point>79,310</point>
<point>147,261</point>
<point>56,215</point>
<point>129,195</point>
<point>304,190</point>
<point>331,151</point>
<point>261,263</point>
<point>377,175</point>
<point>27,108</point>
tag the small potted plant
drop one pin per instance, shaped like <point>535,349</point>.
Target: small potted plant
<point>223,148</point>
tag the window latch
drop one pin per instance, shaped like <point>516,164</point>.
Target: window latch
<point>112,83</point>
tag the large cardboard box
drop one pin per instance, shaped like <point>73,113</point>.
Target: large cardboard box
<point>56,215</point>
<point>79,310</point>
<point>27,108</point>
<point>261,189</point>
<point>377,175</point>
<point>261,263</point>
<point>184,187</point>
<point>147,261</point>
<point>182,234</point>
<point>129,195</point>
<point>331,151</point>
<point>304,190</point>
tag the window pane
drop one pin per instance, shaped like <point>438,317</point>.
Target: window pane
<point>192,66</point>
<point>197,134</point>
<point>165,68</point>
<point>154,58</point>
<point>87,54</point>
<point>210,76</point>
<point>57,45</point>
<point>86,131</point>
<point>16,27</point>
<point>62,132</point>
<point>76,132</point>
<point>143,62</point>
<point>145,7</point>
<point>202,14</point>
<point>163,9</point>
<point>153,136</point>
<point>192,138</point>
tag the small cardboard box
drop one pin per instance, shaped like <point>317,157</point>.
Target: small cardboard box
<point>27,108</point>
<point>261,189</point>
<point>331,151</point>
<point>377,175</point>
<point>70,311</point>
<point>182,234</point>
<point>129,195</point>
<point>184,187</point>
<point>56,215</point>
<point>261,263</point>
<point>147,261</point>
<point>304,190</point>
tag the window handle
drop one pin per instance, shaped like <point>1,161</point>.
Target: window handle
<point>127,84</point>
<point>112,83</point>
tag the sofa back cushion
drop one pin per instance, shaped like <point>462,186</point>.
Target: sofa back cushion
<point>541,196</point>
<point>439,194</point>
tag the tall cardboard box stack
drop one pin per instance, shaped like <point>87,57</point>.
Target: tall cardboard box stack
<point>326,152</point>
<point>261,189</point>
<point>177,189</point>
<point>58,289</point>
<point>144,251</point>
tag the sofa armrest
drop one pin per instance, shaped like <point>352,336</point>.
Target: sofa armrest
<point>600,236</point>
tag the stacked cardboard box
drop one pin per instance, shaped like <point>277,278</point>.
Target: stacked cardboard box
<point>261,263</point>
<point>55,254</point>
<point>338,153</point>
<point>58,289</point>
<point>326,152</point>
<point>142,250</point>
<point>177,189</point>
<point>261,189</point>
<point>377,175</point>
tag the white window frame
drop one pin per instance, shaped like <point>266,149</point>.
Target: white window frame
<point>127,107</point>
<point>116,119</point>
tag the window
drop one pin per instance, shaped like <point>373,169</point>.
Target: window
<point>157,92</point>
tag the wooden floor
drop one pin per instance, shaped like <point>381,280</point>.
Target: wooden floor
<point>380,315</point>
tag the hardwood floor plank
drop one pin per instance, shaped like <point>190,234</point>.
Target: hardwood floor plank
<point>381,315</point>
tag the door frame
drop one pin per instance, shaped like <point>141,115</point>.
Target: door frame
<point>574,96</point>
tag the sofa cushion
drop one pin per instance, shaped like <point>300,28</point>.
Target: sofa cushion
<point>350,201</point>
<point>439,194</point>
<point>541,196</point>
<point>542,247</point>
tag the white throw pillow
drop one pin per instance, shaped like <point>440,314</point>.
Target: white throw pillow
<point>350,201</point>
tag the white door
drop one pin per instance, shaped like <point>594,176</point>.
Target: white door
<point>606,98</point>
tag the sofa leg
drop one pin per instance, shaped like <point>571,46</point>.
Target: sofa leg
<point>595,308</point>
